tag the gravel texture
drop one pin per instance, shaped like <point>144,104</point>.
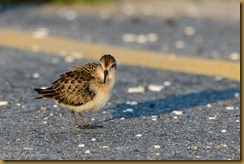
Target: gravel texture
<point>207,129</point>
<point>190,36</point>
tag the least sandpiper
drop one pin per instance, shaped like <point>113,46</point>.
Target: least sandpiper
<point>85,88</point>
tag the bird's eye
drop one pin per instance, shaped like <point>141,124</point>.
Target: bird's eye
<point>114,65</point>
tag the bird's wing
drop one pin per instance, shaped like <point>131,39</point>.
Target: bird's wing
<point>73,88</point>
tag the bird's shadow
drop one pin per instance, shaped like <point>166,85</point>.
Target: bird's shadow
<point>167,105</point>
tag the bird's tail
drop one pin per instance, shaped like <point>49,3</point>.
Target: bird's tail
<point>46,93</point>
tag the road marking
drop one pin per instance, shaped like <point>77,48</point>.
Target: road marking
<point>150,59</point>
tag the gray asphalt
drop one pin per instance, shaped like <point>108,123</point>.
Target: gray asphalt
<point>150,132</point>
<point>210,38</point>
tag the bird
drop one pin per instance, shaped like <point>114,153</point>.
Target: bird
<point>84,88</point>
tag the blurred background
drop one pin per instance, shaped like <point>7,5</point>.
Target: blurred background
<point>201,28</point>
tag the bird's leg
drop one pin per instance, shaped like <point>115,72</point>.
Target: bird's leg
<point>87,125</point>
<point>75,118</point>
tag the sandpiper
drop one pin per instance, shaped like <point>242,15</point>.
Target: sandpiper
<point>85,88</point>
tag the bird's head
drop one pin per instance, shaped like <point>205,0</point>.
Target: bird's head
<point>108,67</point>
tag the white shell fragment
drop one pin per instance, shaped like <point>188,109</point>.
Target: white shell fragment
<point>139,89</point>
<point>179,44</point>
<point>176,112</point>
<point>234,56</point>
<point>157,146</point>
<point>28,148</point>
<point>230,108</point>
<point>155,88</point>
<point>128,110</point>
<point>36,75</point>
<point>209,105</point>
<point>40,33</point>
<point>3,103</point>
<point>152,37</point>
<point>81,145</point>
<point>189,30</point>
<point>212,118</point>
<point>139,135</point>
<point>237,94</point>
<point>167,83</point>
<point>87,152</point>
<point>128,38</point>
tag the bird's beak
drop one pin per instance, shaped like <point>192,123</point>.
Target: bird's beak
<point>105,76</point>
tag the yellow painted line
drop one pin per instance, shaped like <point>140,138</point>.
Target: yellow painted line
<point>150,59</point>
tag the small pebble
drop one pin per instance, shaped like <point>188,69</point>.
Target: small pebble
<point>3,103</point>
<point>157,146</point>
<point>176,112</point>
<point>224,145</point>
<point>18,104</point>
<point>154,116</point>
<point>87,151</point>
<point>223,131</point>
<point>104,112</point>
<point>105,147</point>
<point>45,118</point>
<point>212,118</point>
<point>155,88</point>
<point>209,105</point>
<point>51,114</point>
<point>55,105</point>
<point>128,38</point>
<point>230,108</point>
<point>167,83</point>
<point>195,147</point>
<point>44,122</point>
<point>69,59</point>
<point>36,75</point>
<point>139,89</point>
<point>234,56</point>
<point>154,119</point>
<point>81,145</point>
<point>237,94</point>
<point>43,108</point>
<point>218,78</point>
<point>28,148</point>
<point>189,30</point>
<point>122,118</point>
<point>128,110</point>
<point>93,119</point>
<point>179,44</point>
<point>133,103</point>
<point>40,33</point>
<point>237,120</point>
<point>152,37</point>
<point>175,117</point>
<point>139,135</point>
<point>141,39</point>
<point>93,139</point>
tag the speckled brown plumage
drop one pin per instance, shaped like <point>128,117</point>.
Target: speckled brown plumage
<point>84,88</point>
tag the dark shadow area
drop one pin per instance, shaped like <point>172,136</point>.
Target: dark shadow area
<point>178,102</point>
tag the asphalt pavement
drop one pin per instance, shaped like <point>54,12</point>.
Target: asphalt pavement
<point>208,127</point>
<point>192,117</point>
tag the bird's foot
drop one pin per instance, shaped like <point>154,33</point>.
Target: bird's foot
<point>91,126</point>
